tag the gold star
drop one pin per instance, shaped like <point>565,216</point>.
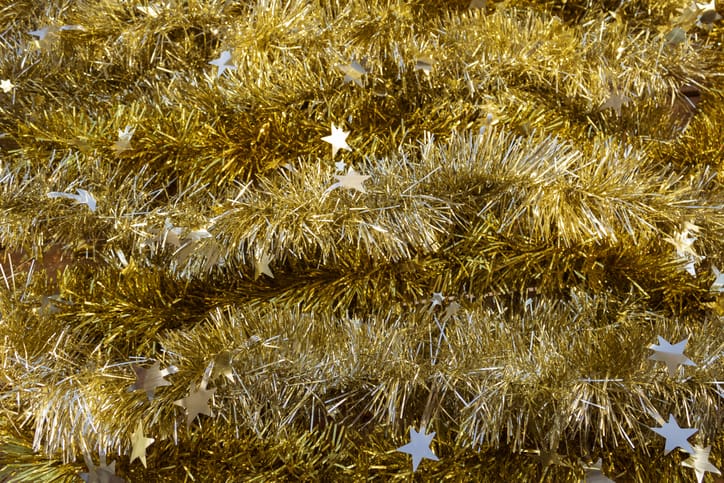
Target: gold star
<point>338,140</point>
<point>140,443</point>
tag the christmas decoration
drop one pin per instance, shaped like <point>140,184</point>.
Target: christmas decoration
<point>522,195</point>
<point>139,443</point>
<point>223,63</point>
<point>104,473</point>
<point>353,72</point>
<point>699,461</point>
<point>419,447</point>
<point>351,181</point>
<point>338,140</point>
<point>124,139</point>
<point>148,379</point>
<point>676,437</point>
<point>197,402</point>
<point>670,354</point>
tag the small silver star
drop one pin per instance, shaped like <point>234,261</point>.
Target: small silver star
<point>615,101</point>
<point>261,266</point>
<point>223,63</point>
<point>197,402</point>
<point>83,197</point>
<point>148,379</point>
<point>6,86</point>
<point>718,285</point>
<point>351,180</point>
<point>353,72</point>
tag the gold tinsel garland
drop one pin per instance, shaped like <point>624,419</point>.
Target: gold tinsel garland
<point>543,201</point>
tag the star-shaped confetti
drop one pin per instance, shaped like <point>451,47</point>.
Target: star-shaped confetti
<point>424,64</point>
<point>419,447</point>
<point>223,63</point>
<point>615,101</point>
<point>6,86</point>
<point>124,139</point>
<point>261,266</point>
<point>140,443</point>
<point>83,197</point>
<point>699,461</point>
<point>437,300</point>
<point>450,311</point>
<point>683,243</point>
<point>676,436</point>
<point>104,473</point>
<point>353,72</point>
<point>197,402</point>
<point>671,355</point>
<point>594,473</point>
<point>351,180</point>
<point>718,285</point>
<point>148,379</point>
<point>338,140</point>
<point>222,366</point>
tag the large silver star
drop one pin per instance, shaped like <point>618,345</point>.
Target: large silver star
<point>351,180</point>
<point>671,355</point>
<point>676,436</point>
<point>419,447</point>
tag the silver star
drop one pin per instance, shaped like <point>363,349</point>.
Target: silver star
<point>353,72</point>
<point>419,447</point>
<point>338,140</point>
<point>104,473</point>
<point>6,86</point>
<point>676,436</point>
<point>223,63</point>
<point>699,461</point>
<point>351,180</point>
<point>148,379</point>
<point>718,285</point>
<point>615,102</point>
<point>197,402</point>
<point>261,266</point>
<point>124,139</point>
<point>671,355</point>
